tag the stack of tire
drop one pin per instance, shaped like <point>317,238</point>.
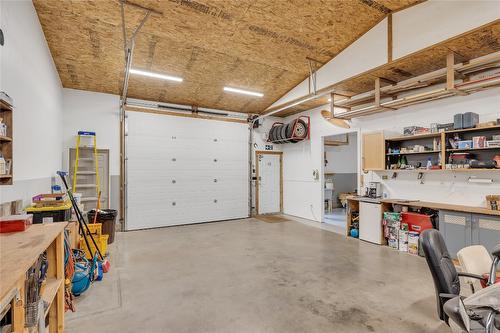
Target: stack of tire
<point>292,132</point>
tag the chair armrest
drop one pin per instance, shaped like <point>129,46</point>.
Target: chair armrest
<point>470,275</point>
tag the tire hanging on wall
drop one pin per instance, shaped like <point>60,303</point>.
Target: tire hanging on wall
<point>278,134</point>
<point>289,131</point>
<point>300,129</point>
<point>272,137</point>
<point>284,135</point>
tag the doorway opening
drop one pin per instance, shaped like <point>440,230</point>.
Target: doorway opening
<point>269,184</point>
<point>340,157</point>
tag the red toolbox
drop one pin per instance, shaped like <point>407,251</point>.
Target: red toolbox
<point>14,223</point>
<point>416,222</point>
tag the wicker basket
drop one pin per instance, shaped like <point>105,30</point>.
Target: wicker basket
<point>493,202</point>
<point>31,316</point>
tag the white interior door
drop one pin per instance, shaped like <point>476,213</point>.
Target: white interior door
<point>269,183</point>
<point>184,170</point>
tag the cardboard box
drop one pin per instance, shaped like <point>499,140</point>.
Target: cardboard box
<point>393,243</point>
<point>403,240</point>
<point>413,242</point>
<point>478,142</point>
<point>465,144</point>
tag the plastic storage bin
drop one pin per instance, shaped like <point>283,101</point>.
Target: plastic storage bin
<point>50,214</point>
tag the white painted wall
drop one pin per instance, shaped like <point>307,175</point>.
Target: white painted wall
<point>259,138</point>
<point>447,187</point>
<point>29,76</point>
<point>343,159</point>
<point>437,20</point>
<point>97,112</point>
<point>259,142</point>
<point>303,195</point>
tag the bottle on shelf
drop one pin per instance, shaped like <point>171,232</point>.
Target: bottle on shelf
<point>429,163</point>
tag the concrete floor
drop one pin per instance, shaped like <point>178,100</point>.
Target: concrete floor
<point>336,217</point>
<point>252,276</point>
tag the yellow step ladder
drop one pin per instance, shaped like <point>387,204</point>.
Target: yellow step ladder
<point>96,162</point>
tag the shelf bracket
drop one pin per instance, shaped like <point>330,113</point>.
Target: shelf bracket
<point>450,71</point>
<point>313,63</point>
<point>377,91</point>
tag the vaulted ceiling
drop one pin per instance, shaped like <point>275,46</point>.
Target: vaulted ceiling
<point>259,45</point>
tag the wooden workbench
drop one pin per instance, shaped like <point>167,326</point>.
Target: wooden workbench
<point>18,252</point>
<point>443,206</point>
<point>435,205</point>
<point>353,206</point>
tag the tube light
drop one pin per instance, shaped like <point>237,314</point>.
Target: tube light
<point>244,92</point>
<point>155,75</point>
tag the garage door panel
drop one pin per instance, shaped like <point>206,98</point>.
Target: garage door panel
<point>184,170</point>
<point>175,215</point>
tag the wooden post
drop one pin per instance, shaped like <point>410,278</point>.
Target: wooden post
<point>389,37</point>
<point>443,150</point>
<point>450,71</point>
<point>256,183</point>
<point>17,306</point>
<point>55,257</point>
<point>377,92</point>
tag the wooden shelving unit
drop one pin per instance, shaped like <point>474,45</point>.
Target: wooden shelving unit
<point>481,154</point>
<point>52,286</point>
<point>6,141</point>
<point>415,137</point>
<point>471,149</point>
<point>443,170</point>
<point>18,252</point>
<point>414,153</point>
<point>475,129</point>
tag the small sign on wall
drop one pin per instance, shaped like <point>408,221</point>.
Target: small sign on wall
<point>269,147</point>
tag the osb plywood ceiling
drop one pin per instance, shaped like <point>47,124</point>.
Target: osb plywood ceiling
<point>258,45</point>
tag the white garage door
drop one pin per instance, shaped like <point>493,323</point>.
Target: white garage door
<point>184,170</point>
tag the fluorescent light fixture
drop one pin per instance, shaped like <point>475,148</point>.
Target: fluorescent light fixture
<point>244,92</point>
<point>155,75</point>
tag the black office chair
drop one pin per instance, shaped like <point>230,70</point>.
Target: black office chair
<point>444,274</point>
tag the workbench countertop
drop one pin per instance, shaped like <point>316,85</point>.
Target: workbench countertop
<point>433,205</point>
<point>20,250</point>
